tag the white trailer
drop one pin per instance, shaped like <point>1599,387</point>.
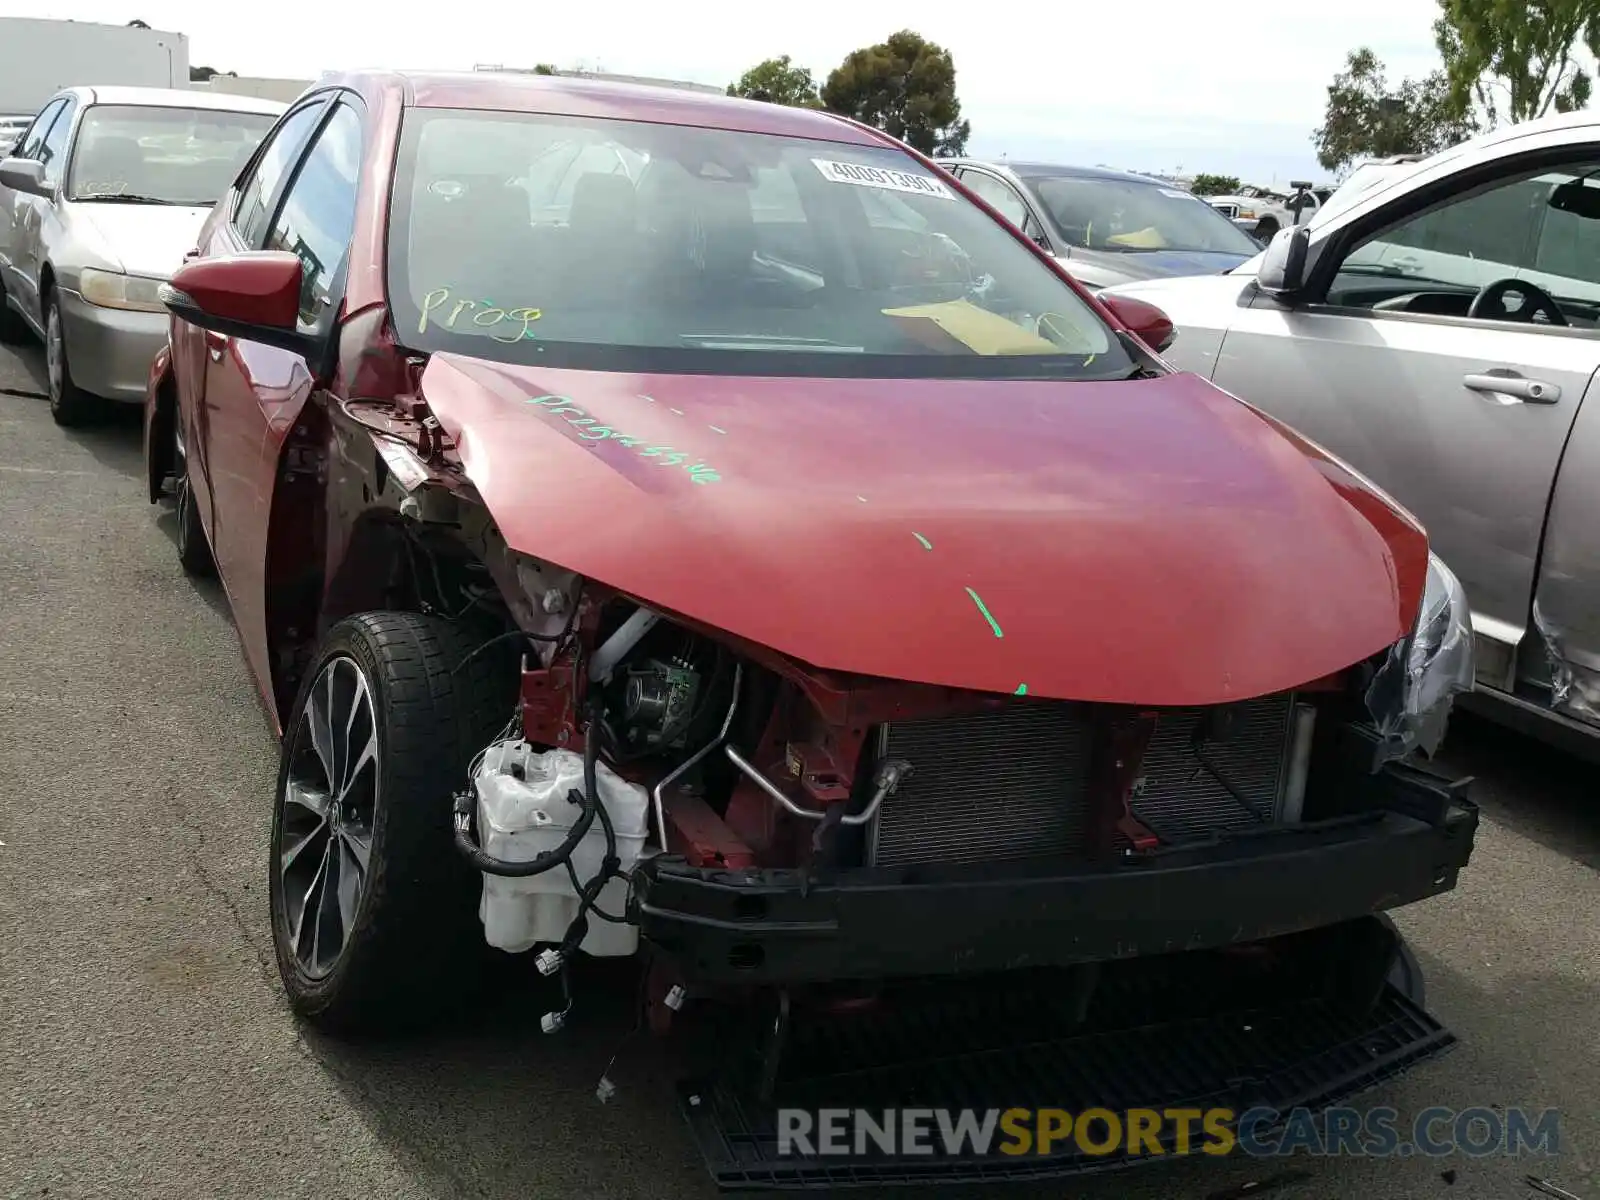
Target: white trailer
<point>40,57</point>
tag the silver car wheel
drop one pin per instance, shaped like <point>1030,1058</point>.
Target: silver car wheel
<point>329,806</point>
<point>55,359</point>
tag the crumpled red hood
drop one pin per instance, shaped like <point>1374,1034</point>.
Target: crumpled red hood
<point>1141,542</point>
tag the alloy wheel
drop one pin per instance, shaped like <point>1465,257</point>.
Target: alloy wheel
<point>328,810</point>
<point>183,495</point>
<point>55,354</point>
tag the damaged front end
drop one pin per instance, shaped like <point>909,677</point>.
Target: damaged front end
<point>853,891</point>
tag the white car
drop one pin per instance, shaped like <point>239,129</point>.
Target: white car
<point>1261,213</point>
<point>1440,329</point>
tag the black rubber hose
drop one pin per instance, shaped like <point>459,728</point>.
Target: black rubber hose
<point>611,864</point>
<point>550,859</point>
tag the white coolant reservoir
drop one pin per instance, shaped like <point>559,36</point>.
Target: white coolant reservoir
<point>523,811</point>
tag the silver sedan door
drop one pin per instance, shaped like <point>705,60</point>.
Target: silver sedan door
<point>16,209</point>
<point>1449,339</point>
<point>38,216</point>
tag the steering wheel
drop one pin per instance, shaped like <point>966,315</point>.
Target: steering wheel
<point>1490,302</point>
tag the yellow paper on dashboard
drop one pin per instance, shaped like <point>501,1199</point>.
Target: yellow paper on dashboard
<point>1148,238</point>
<point>978,329</point>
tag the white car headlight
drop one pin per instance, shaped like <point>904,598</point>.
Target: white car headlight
<point>1411,696</point>
<point>112,289</point>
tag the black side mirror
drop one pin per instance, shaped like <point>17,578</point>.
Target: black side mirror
<point>1283,268</point>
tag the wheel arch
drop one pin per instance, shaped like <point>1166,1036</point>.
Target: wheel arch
<point>351,540</point>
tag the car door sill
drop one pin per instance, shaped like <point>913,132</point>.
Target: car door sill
<point>1535,720</point>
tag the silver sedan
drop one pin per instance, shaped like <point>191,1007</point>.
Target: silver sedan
<point>99,201</point>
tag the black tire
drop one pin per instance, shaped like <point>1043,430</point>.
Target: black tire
<point>415,947</point>
<point>70,405</point>
<point>194,551</point>
<point>1267,229</point>
<point>1405,974</point>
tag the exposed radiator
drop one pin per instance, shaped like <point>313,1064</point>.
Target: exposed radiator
<point>1007,784</point>
<point>1013,783</point>
<point>1175,795</point>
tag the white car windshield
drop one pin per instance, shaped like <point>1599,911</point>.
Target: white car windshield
<point>629,245</point>
<point>150,154</point>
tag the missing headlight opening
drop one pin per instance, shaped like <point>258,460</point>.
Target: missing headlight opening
<point>1411,695</point>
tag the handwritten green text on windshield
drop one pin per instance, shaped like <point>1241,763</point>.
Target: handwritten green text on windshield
<point>479,313</point>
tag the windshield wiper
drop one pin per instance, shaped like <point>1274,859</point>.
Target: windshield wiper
<point>125,198</point>
<point>761,341</point>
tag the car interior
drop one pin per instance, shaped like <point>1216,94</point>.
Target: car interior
<point>1521,250</point>
<point>712,246</point>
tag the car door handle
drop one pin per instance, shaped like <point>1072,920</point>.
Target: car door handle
<point>216,345</point>
<point>1513,387</point>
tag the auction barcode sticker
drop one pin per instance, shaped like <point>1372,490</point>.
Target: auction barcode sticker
<point>881,177</point>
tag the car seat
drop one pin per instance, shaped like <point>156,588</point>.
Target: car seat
<point>109,165</point>
<point>601,257</point>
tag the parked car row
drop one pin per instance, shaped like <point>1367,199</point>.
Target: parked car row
<point>100,198</point>
<point>1108,227</point>
<point>1261,213</point>
<point>672,526</point>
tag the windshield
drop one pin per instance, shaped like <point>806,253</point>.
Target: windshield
<point>1128,215</point>
<point>154,154</point>
<point>626,245</point>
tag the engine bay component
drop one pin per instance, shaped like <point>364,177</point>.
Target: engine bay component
<point>658,793</point>
<point>616,647</point>
<point>524,810</point>
<point>659,702</point>
<point>886,778</point>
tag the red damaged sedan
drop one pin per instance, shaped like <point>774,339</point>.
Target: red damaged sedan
<point>699,530</point>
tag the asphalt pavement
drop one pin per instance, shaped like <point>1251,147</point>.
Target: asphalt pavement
<point>146,1049</point>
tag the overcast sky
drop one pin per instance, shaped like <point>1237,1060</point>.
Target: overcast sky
<point>1149,85</point>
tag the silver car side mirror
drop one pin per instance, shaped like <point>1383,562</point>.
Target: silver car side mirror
<point>1283,266</point>
<point>23,175</point>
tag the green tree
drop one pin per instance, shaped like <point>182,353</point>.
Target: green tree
<point>1366,118</point>
<point>1515,58</point>
<point>1214,185</point>
<point>906,86</point>
<point>778,81</point>
<point>543,69</point>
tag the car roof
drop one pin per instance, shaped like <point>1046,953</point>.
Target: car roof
<point>563,95</point>
<point>176,98</point>
<point>1055,170</point>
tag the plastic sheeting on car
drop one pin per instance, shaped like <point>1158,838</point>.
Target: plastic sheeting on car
<point>1411,696</point>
